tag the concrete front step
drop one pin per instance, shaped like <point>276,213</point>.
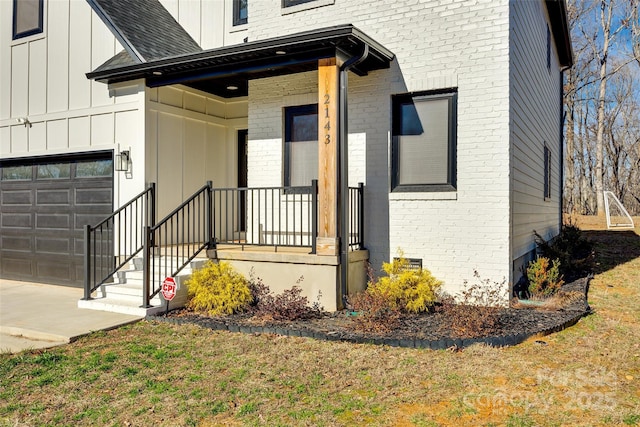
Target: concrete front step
<point>126,291</point>
<point>115,305</point>
<point>125,295</point>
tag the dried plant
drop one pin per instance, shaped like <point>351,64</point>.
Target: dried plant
<point>286,306</point>
<point>373,312</point>
<point>476,310</point>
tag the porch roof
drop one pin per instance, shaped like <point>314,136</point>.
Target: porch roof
<point>226,71</point>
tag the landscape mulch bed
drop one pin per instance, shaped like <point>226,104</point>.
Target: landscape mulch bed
<point>430,330</point>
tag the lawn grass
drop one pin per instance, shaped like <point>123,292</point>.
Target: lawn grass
<point>159,374</point>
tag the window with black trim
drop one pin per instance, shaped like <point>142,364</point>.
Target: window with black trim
<point>240,12</point>
<point>289,3</point>
<point>27,18</point>
<point>548,48</point>
<point>424,141</point>
<point>547,172</point>
<point>300,145</point>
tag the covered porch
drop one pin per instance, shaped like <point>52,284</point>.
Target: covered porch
<point>281,232</point>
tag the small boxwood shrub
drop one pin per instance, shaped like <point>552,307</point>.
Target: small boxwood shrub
<point>403,289</point>
<point>217,289</point>
<point>411,290</point>
<point>544,277</point>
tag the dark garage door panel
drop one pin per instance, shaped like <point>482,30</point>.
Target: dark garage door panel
<point>41,225</point>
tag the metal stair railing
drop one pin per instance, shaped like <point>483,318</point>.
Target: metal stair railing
<point>356,217</point>
<point>172,243</point>
<point>266,216</point>
<point>126,225</point>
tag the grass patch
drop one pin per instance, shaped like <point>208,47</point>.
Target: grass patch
<point>161,374</point>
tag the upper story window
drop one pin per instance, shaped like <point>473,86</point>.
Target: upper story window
<point>300,145</point>
<point>293,6</point>
<point>27,18</point>
<point>289,3</point>
<point>548,48</point>
<point>240,12</point>
<point>424,142</point>
<point>547,172</point>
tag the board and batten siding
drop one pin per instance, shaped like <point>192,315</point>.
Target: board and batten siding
<point>42,78</point>
<point>209,23</point>
<point>534,121</point>
<point>191,138</point>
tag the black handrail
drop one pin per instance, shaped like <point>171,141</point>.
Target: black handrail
<point>125,224</point>
<point>273,216</point>
<point>172,243</point>
<point>356,217</point>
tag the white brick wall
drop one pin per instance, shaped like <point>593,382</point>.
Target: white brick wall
<point>438,44</point>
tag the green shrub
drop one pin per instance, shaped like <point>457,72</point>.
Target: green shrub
<point>412,290</point>
<point>544,279</point>
<point>571,249</point>
<point>380,306</point>
<point>217,289</point>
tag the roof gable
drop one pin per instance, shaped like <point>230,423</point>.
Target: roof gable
<point>145,28</point>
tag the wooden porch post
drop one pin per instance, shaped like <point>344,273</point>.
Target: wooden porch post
<point>327,243</point>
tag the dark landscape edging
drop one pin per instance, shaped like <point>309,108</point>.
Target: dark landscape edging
<point>440,344</point>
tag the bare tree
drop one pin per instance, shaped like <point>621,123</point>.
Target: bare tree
<point>635,28</point>
<point>601,106</point>
<point>606,15</point>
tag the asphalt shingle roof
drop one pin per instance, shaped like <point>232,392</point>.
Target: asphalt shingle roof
<point>146,30</point>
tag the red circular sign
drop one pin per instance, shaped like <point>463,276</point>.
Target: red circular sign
<point>169,288</point>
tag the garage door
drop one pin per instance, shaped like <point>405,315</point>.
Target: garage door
<point>44,206</point>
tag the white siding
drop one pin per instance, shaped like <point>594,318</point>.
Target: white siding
<point>209,23</point>
<point>534,121</point>
<point>190,139</point>
<point>43,78</point>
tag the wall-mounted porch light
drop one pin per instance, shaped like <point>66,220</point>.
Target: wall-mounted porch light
<point>123,161</point>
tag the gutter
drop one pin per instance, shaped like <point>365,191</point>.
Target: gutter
<point>260,49</point>
<point>343,178</point>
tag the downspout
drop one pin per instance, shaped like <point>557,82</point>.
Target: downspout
<point>343,154</point>
<point>562,142</point>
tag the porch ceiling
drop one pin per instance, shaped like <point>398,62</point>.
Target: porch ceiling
<point>216,70</point>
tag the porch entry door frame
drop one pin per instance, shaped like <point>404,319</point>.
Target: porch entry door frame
<point>243,141</point>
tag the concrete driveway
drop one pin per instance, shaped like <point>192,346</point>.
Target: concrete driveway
<point>34,315</point>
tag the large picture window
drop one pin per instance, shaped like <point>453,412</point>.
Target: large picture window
<point>27,18</point>
<point>300,145</point>
<point>424,142</point>
<point>240,12</point>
